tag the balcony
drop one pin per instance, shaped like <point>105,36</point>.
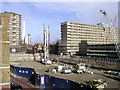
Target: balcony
<point>14,26</point>
<point>14,22</point>
<point>13,31</point>
<point>13,35</point>
<point>13,39</point>
<point>14,17</point>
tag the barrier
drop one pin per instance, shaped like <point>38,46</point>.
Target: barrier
<point>63,83</point>
<point>51,82</point>
<point>47,81</point>
<point>37,80</point>
<point>22,72</point>
<point>43,81</point>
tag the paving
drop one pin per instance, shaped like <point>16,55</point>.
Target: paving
<point>112,81</point>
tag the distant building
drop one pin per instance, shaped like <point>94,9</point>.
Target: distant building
<point>23,35</point>
<point>27,39</point>
<point>72,35</point>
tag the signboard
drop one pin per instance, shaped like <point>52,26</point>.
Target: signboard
<point>42,80</point>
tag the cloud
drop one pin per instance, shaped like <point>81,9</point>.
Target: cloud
<point>88,12</point>
<point>54,13</point>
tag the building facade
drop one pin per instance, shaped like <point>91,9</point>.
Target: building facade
<point>73,34</point>
<point>27,39</point>
<point>14,28</point>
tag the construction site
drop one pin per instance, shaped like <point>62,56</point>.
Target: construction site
<point>88,58</point>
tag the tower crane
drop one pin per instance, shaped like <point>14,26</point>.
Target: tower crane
<point>112,32</point>
<point>107,18</point>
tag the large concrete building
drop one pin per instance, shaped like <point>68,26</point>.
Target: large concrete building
<point>76,35</point>
<point>4,51</point>
<point>14,28</point>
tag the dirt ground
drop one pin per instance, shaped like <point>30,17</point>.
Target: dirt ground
<point>112,81</point>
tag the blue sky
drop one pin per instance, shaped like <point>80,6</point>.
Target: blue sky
<point>54,13</point>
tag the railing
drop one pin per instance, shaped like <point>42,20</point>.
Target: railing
<point>93,61</point>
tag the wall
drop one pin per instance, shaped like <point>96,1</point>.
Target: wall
<point>4,52</point>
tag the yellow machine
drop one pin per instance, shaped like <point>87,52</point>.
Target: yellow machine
<point>96,84</point>
<point>59,68</point>
<point>79,68</point>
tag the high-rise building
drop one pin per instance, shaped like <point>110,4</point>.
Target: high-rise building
<point>27,39</point>
<point>73,34</point>
<point>14,28</point>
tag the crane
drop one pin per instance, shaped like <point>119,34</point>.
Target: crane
<point>107,18</point>
<point>109,23</point>
<point>112,32</point>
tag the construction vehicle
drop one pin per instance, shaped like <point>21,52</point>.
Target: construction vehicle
<point>97,84</point>
<point>59,68</point>
<point>80,68</point>
<point>67,69</point>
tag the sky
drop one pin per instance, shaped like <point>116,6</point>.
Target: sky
<point>54,13</point>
